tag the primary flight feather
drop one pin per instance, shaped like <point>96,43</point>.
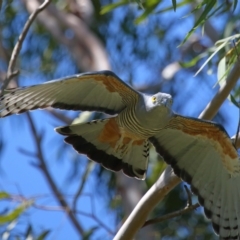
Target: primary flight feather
<point>200,152</point>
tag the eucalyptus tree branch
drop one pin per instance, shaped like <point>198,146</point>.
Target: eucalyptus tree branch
<point>11,73</point>
<point>42,165</point>
<point>211,110</point>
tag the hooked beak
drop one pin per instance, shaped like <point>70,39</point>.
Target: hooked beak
<point>167,102</point>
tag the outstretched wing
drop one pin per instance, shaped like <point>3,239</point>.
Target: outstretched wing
<point>97,91</point>
<point>202,154</point>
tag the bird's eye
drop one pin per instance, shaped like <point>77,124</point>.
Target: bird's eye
<point>154,99</point>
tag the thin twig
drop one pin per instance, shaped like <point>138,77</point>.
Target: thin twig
<point>82,184</point>
<point>21,198</point>
<point>100,223</point>
<point>44,168</point>
<point>89,215</point>
<point>11,73</point>
<point>189,195</point>
<point>187,209</point>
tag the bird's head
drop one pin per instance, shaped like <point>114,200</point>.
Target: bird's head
<point>159,100</point>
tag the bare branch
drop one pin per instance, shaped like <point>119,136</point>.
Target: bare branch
<point>82,183</point>
<point>44,168</point>
<point>11,73</point>
<point>21,198</point>
<point>90,215</point>
<point>187,209</point>
<point>100,223</point>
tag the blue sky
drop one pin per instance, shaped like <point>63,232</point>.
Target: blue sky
<point>19,176</point>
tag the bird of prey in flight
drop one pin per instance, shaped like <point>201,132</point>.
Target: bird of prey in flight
<point>200,152</point>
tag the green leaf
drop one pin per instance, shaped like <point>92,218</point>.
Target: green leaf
<point>220,81</point>
<point>185,2</point>
<point>139,2</point>
<point>201,20</point>
<point>87,235</point>
<point>234,101</point>
<point>193,61</point>
<point>4,195</point>
<point>151,3</point>
<point>15,213</point>
<point>233,54</point>
<point>43,235</point>
<point>158,168</point>
<point>221,71</point>
<point>212,55</point>
<point>174,2</point>
<point>228,39</point>
<point>110,7</point>
<point>145,14</point>
<point>235,2</point>
<point>29,232</point>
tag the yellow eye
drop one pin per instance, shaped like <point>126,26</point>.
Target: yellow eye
<point>154,99</point>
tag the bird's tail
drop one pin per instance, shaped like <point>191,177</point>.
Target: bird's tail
<point>102,142</point>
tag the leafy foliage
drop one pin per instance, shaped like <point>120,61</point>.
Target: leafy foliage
<point>205,9</point>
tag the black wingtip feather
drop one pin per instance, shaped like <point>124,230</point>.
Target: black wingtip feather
<point>108,161</point>
<point>208,213</point>
<point>78,107</point>
<point>63,130</point>
<point>215,227</point>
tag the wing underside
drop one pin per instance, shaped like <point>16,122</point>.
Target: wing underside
<point>94,140</point>
<point>210,166</point>
<point>97,91</point>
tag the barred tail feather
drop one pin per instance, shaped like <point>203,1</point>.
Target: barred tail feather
<point>101,141</point>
